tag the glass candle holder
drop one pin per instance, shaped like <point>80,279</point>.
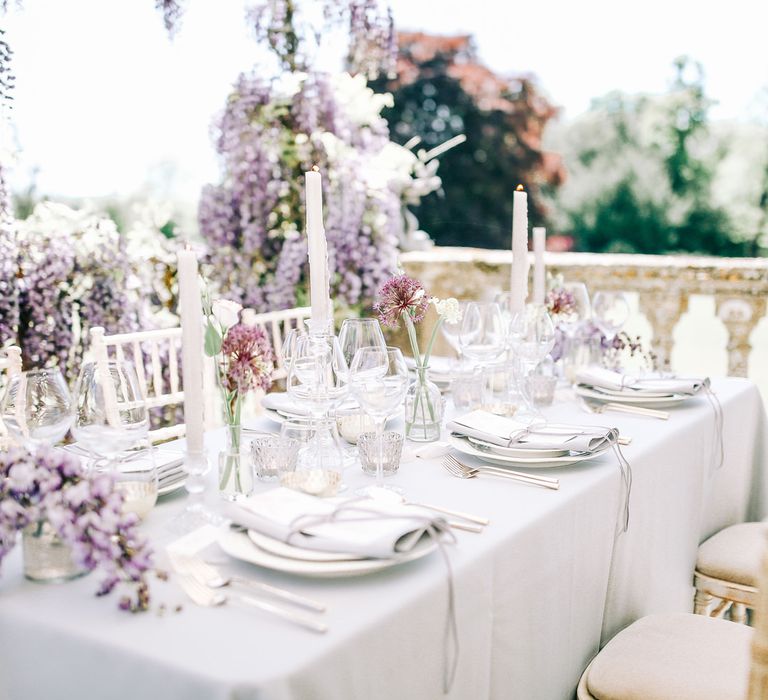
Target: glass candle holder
<point>273,455</point>
<point>391,446</point>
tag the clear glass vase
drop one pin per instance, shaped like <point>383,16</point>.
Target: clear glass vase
<point>46,557</point>
<point>423,408</point>
<point>235,476</point>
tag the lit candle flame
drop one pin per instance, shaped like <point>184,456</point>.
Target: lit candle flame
<point>520,188</point>
<point>315,169</point>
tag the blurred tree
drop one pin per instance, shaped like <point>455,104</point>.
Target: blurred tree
<point>441,91</point>
<point>642,174</point>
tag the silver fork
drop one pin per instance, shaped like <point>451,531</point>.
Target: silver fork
<point>207,597</point>
<point>212,577</point>
<point>464,471</point>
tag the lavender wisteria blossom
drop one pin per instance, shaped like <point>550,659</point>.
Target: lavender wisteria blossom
<point>271,133</point>
<point>294,36</point>
<point>70,273</point>
<point>85,511</point>
<point>9,302</point>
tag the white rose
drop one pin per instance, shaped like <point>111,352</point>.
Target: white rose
<point>226,312</point>
<point>449,309</point>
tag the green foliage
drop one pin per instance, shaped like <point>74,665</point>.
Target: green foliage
<point>643,175</point>
<point>474,205</point>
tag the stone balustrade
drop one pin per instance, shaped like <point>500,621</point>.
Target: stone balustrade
<point>664,284</point>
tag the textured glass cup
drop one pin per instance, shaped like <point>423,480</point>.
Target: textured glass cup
<point>390,452</point>
<point>273,455</point>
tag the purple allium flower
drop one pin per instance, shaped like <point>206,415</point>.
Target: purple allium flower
<point>561,302</point>
<point>399,295</point>
<point>248,359</point>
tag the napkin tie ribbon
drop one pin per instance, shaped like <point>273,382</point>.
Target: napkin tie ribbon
<point>717,410</point>
<point>437,534</point>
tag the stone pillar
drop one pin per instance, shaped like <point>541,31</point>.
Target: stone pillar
<point>740,315</point>
<point>663,310</point>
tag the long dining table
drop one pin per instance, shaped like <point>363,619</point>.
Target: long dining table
<point>536,594</point>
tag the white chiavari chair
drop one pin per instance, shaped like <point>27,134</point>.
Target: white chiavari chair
<point>10,364</point>
<point>155,355</point>
<point>278,324</point>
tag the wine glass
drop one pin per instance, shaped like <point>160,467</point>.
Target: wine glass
<point>317,377</point>
<point>452,331</point>
<point>37,407</point>
<point>531,339</point>
<point>110,418</point>
<point>482,337</point>
<point>379,381</point>
<point>610,311</point>
<point>359,333</point>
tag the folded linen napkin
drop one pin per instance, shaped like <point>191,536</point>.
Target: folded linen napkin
<point>353,525</point>
<point>285,403</point>
<point>139,460</point>
<point>507,432</point>
<point>602,378</point>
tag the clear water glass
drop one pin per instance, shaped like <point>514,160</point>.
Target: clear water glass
<point>111,418</point>
<point>483,333</point>
<point>379,380</point>
<point>37,407</point>
<point>359,333</point>
<point>610,311</point>
<point>452,331</point>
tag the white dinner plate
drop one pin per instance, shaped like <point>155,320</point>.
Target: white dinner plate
<point>516,451</point>
<point>240,546</point>
<point>289,551</point>
<point>631,399</point>
<point>172,487</point>
<point>463,446</point>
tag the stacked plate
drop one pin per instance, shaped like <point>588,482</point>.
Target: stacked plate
<point>503,441</point>
<point>599,384</point>
<point>531,458</point>
<point>270,553</point>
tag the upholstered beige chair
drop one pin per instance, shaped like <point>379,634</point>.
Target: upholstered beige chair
<point>685,657</point>
<point>727,570</point>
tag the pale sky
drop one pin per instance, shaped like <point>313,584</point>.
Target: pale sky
<point>105,101</point>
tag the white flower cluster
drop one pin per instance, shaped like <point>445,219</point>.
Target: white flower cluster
<point>449,309</point>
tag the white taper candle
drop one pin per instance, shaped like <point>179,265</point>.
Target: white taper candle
<point>519,281</point>
<point>317,248</point>
<point>191,314</point>
<point>539,269</point>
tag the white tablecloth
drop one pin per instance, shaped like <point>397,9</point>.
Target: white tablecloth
<point>534,593</point>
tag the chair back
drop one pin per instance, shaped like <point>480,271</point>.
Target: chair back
<point>155,357</point>
<point>278,324</point>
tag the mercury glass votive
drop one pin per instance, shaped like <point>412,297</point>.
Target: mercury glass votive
<point>273,455</point>
<point>391,450</point>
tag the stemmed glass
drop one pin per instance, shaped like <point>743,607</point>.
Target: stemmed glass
<point>531,338</point>
<point>359,333</point>
<point>610,311</point>
<point>317,377</point>
<point>379,381</point>
<point>37,407</point>
<point>110,418</point>
<point>452,332</point>
<point>482,336</point>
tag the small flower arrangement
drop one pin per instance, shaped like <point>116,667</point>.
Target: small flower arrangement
<point>84,510</point>
<point>244,362</point>
<point>404,297</point>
